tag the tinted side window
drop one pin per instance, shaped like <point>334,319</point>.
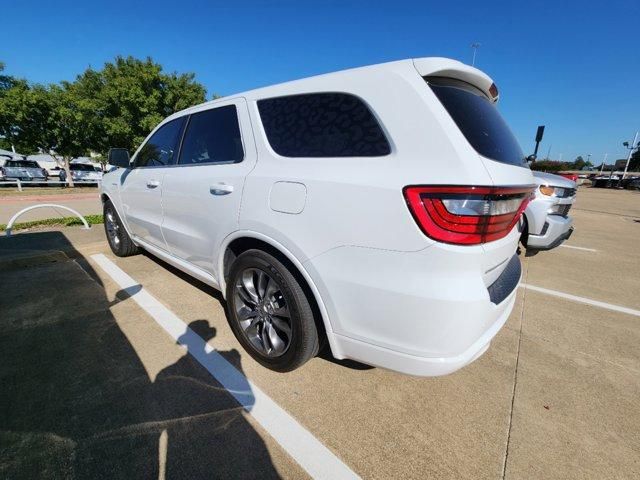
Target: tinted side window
<point>162,148</point>
<point>212,136</point>
<point>322,125</point>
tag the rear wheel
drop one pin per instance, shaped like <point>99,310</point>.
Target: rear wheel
<point>269,312</point>
<point>119,240</point>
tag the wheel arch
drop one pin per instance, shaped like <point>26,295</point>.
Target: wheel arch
<point>241,241</point>
<point>104,197</point>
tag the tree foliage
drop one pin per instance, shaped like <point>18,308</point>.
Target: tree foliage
<point>552,166</point>
<point>116,106</point>
<point>129,97</point>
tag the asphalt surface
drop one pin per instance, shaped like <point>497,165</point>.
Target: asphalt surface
<point>93,386</point>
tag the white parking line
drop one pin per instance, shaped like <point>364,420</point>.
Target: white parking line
<point>587,301</point>
<point>579,248</point>
<point>304,448</point>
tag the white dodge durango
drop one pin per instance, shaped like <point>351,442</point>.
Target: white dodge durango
<point>373,210</point>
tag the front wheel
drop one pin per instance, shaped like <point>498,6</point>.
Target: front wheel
<point>270,313</point>
<point>118,238</point>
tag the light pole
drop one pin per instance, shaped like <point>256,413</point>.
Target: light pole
<point>475,47</point>
<point>603,162</point>
<point>634,146</point>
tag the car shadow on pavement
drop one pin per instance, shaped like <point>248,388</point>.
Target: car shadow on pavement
<point>325,352</point>
<point>77,401</point>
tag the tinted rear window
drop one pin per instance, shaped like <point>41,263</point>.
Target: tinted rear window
<point>478,119</point>
<point>82,167</point>
<point>322,125</point>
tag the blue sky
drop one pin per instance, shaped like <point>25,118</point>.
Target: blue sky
<point>573,66</point>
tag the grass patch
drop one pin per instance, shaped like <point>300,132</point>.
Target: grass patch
<point>52,222</point>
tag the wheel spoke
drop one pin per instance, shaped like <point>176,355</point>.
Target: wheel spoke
<point>244,296</point>
<point>265,339</point>
<point>252,330</point>
<point>282,312</point>
<point>277,344</point>
<point>249,286</point>
<point>245,313</point>
<point>263,281</point>
<point>281,326</point>
<point>271,289</point>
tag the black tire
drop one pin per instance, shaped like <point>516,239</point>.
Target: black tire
<point>524,236</point>
<point>120,241</point>
<point>303,343</point>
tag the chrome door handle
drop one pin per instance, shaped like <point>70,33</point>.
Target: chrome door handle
<point>153,184</point>
<point>221,189</point>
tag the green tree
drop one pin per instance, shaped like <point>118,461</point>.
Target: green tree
<point>578,163</point>
<point>12,97</point>
<point>129,97</point>
<point>548,166</point>
<point>114,107</point>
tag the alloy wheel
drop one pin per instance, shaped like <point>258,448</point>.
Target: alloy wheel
<point>262,312</point>
<point>113,229</point>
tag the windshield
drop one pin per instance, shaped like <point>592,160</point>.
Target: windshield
<point>478,119</point>
<point>82,167</point>
<point>21,163</point>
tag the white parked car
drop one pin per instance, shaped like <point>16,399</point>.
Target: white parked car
<point>373,209</point>
<point>546,219</point>
<point>49,162</point>
<point>82,173</point>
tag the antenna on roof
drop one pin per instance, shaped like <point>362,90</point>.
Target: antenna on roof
<point>475,47</point>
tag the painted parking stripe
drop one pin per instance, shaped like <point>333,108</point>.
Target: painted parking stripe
<point>587,301</point>
<point>304,448</point>
<point>579,248</point>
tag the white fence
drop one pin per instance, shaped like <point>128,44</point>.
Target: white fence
<point>33,183</point>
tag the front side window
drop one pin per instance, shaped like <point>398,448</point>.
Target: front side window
<point>212,136</point>
<point>478,119</point>
<point>162,148</point>
<point>322,125</point>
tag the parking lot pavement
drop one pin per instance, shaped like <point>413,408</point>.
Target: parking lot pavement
<point>83,203</point>
<point>98,388</point>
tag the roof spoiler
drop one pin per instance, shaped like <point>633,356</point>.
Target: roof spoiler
<point>445,67</point>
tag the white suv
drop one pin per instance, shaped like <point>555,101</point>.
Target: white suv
<point>373,209</point>
<point>546,219</point>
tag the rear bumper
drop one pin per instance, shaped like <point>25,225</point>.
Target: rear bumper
<point>556,230</point>
<point>419,365</point>
<point>422,313</point>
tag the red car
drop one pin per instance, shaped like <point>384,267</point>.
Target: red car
<point>571,176</point>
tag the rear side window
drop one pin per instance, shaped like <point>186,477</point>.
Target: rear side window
<point>478,119</point>
<point>162,148</point>
<point>212,136</point>
<point>322,125</point>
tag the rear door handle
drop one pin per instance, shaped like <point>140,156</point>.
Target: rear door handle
<point>221,189</point>
<point>153,184</point>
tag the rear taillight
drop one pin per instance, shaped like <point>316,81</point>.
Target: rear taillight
<point>467,215</point>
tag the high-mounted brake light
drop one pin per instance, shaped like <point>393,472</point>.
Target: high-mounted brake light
<point>493,90</point>
<point>464,215</point>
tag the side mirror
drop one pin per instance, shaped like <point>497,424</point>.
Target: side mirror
<point>118,157</point>
<point>531,159</point>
